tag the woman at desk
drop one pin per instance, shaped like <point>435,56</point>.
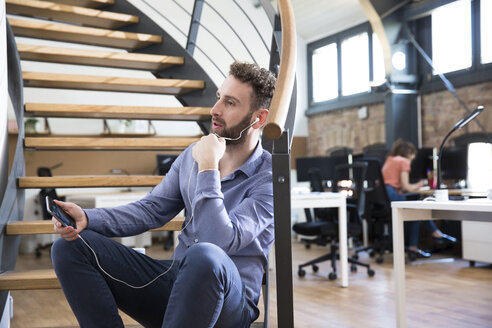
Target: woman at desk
<point>396,175</point>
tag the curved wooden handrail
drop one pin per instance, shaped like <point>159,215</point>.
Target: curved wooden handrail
<point>286,76</point>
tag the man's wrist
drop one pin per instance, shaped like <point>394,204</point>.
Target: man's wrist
<point>205,170</point>
<point>202,167</point>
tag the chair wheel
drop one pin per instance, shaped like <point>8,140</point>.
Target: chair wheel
<point>353,268</point>
<point>332,276</point>
<point>372,254</point>
<point>371,272</point>
<point>379,260</point>
<point>308,246</point>
<point>315,268</point>
<point>301,273</point>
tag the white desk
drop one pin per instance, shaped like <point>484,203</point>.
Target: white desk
<point>470,210</point>
<point>329,199</point>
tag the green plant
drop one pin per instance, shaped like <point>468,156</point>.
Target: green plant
<point>127,122</point>
<point>30,125</point>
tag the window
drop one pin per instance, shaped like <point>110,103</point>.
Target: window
<point>325,73</point>
<point>486,31</point>
<point>379,74</point>
<point>451,37</point>
<point>355,64</point>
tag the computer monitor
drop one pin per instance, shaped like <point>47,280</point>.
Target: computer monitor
<point>421,164</point>
<point>325,164</point>
<point>164,162</point>
<point>454,163</point>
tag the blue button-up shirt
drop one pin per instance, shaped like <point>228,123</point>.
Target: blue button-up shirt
<point>235,213</point>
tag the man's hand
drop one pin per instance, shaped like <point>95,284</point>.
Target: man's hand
<point>69,233</point>
<point>208,151</point>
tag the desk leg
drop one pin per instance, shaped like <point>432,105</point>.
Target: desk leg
<point>399,268</point>
<point>342,236</point>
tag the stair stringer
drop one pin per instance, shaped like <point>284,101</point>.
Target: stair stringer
<point>12,206</point>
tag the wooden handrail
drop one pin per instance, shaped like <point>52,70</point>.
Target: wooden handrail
<point>279,107</point>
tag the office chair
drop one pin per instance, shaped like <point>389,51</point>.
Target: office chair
<point>377,211</point>
<point>325,227</point>
<point>321,214</point>
<point>377,150</point>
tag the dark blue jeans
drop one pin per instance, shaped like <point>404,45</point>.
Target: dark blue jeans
<point>204,289</point>
<point>412,227</point>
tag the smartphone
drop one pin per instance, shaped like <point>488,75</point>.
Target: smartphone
<point>59,214</point>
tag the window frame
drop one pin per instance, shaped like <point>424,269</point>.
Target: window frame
<point>476,73</point>
<point>341,101</point>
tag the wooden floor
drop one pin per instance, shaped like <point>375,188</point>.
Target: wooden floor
<point>440,293</point>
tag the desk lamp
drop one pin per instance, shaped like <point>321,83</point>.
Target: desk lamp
<point>461,123</point>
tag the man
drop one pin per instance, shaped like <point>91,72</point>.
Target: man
<point>224,182</point>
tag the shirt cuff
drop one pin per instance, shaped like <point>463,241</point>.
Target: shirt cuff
<point>208,181</point>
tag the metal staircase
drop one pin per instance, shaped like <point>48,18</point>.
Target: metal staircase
<point>116,24</point>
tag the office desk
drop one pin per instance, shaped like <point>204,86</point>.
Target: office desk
<point>456,192</point>
<point>469,210</point>
<point>329,199</point>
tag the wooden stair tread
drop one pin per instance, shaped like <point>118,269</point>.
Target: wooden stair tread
<point>29,280</point>
<point>93,181</point>
<point>80,34</point>
<point>110,83</point>
<point>46,227</point>
<point>148,143</point>
<point>97,58</point>
<point>85,3</point>
<point>117,112</point>
<point>69,13</point>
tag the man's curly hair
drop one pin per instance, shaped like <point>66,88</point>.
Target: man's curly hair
<point>262,80</point>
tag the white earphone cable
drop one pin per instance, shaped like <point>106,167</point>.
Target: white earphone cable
<point>174,253</point>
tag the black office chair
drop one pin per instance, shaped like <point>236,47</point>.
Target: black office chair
<point>377,211</point>
<point>316,214</point>
<point>325,226</point>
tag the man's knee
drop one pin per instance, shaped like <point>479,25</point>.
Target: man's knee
<point>205,257</point>
<point>63,252</point>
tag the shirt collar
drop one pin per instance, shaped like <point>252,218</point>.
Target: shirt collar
<point>249,167</point>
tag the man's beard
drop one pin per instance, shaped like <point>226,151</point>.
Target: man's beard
<point>234,131</point>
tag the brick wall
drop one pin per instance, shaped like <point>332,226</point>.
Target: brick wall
<point>440,111</point>
<point>344,128</point>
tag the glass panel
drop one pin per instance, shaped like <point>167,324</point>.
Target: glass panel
<point>325,73</point>
<point>355,64</point>
<point>486,30</point>
<point>451,37</point>
<point>379,74</point>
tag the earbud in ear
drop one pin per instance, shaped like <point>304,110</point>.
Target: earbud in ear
<point>256,120</point>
